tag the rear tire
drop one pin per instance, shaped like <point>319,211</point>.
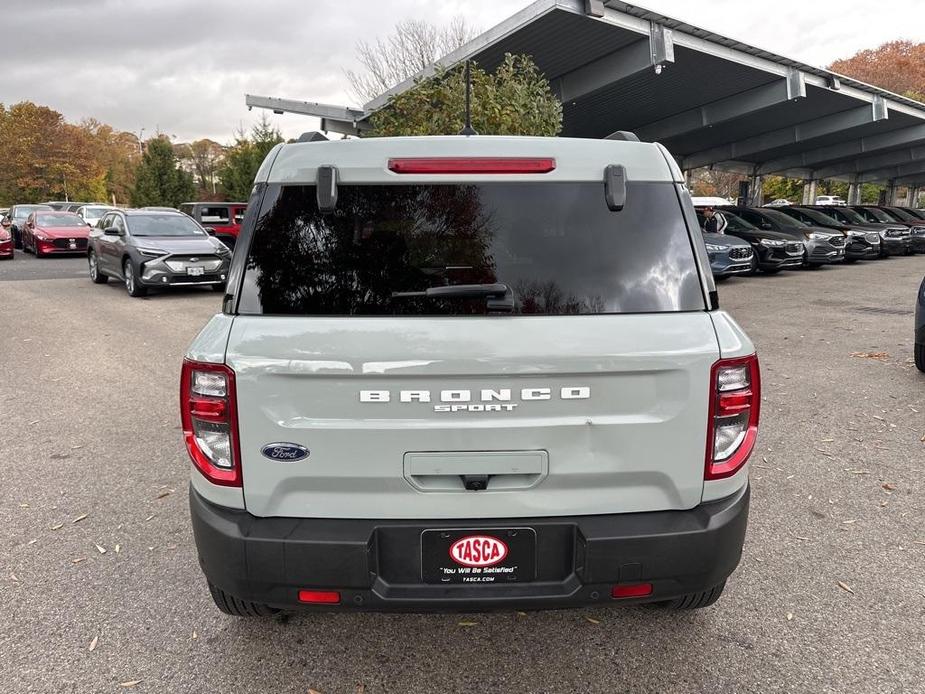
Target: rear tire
<point>239,608</point>
<point>920,356</point>
<point>96,276</point>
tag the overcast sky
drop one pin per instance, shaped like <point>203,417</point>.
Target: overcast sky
<point>183,66</point>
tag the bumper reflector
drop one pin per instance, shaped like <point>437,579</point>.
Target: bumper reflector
<point>631,590</point>
<point>319,597</point>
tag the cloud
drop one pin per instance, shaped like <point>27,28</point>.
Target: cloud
<point>182,67</point>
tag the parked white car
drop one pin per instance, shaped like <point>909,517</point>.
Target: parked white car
<point>830,200</point>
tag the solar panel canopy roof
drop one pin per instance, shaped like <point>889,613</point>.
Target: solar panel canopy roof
<point>711,100</point>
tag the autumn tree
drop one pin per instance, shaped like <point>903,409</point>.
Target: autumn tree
<point>159,180</point>
<point>716,183</point>
<point>243,159</point>
<point>898,66</point>
<point>515,100</point>
<point>45,157</point>
<point>119,153</point>
<point>412,46</point>
<point>204,158</point>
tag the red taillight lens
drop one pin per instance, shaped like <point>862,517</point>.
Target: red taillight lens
<point>210,421</point>
<point>473,165</point>
<point>319,597</point>
<point>735,401</point>
<point>631,590</point>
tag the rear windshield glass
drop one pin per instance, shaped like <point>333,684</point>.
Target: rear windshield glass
<point>516,248</point>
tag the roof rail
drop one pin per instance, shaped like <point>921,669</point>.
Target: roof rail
<point>312,136</point>
<point>624,135</point>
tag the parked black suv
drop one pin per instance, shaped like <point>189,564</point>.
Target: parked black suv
<point>823,246</point>
<point>863,242</point>
<point>896,237</point>
<point>773,251</point>
<point>916,226</point>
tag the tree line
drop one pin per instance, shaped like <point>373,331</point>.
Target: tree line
<point>44,157</point>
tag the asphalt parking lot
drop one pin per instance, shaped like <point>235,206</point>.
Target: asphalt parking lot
<point>100,590</point>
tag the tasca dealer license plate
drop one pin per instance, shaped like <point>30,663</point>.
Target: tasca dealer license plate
<point>481,556</point>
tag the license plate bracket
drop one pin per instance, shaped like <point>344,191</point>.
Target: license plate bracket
<point>195,271</point>
<point>518,563</point>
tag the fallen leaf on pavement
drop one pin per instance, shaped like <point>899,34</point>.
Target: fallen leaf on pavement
<point>80,518</point>
<point>93,644</point>
<point>57,527</point>
<point>789,616</point>
<point>845,587</point>
<point>467,624</point>
<point>166,492</point>
<point>13,577</point>
<point>101,550</point>
<point>592,620</point>
<point>118,548</point>
<point>130,683</point>
<point>878,356</point>
<point>889,487</point>
<point>313,691</point>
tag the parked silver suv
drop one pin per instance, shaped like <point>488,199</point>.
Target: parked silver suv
<point>469,373</point>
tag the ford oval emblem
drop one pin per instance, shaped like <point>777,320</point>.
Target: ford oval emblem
<point>285,452</point>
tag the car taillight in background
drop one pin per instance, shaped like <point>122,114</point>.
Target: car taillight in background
<point>210,421</point>
<point>735,398</point>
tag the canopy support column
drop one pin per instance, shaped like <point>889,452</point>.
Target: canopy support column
<point>809,192</point>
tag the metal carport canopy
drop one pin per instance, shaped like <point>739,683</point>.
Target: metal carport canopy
<point>711,100</point>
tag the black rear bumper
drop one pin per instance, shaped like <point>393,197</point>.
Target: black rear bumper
<point>376,565</point>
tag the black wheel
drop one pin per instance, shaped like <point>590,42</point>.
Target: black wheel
<point>17,238</point>
<point>695,601</point>
<point>720,278</point>
<point>920,356</point>
<point>96,276</point>
<point>771,271</point>
<point>132,285</point>
<point>239,608</point>
<point>850,261</point>
<point>35,249</point>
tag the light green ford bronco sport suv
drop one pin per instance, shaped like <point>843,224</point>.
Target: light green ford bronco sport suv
<point>469,373</point>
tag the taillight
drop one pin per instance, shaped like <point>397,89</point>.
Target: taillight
<point>735,398</point>
<point>320,597</point>
<point>210,421</point>
<point>473,165</point>
<point>631,590</point>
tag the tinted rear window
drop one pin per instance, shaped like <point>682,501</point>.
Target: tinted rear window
<point>555,246</point>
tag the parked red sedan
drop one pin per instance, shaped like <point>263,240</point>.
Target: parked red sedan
<point>46,233</point>
<point>6,244</point>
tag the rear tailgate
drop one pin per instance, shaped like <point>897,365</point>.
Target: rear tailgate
<point>628,435</point>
